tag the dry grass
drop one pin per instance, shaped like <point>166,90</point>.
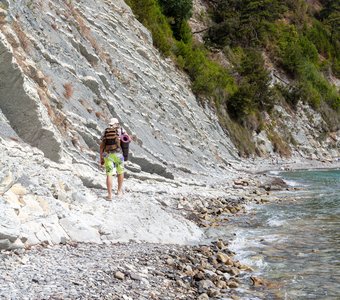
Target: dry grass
<point>85,104</point>
<point>75,141</point>
<point>2,21</point>
<point>61,122</point>
<point>68,90</point>
<point>21,61</point>
<point>58,118</point>
<point>119,75</point>
<point>3,6</point>
<point>48,79</point>
<point>239,135</point>
<point>99,115</point>
<point>280,146</point>
<point>54,26</point>
<point>24,40</point>
<point>109,62</point>
<point>85,31</point>
<point>45,101</point>
<point>3,17</point>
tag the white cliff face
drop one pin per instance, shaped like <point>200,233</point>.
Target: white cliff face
<point>89,60</point>
<point>22,107</point>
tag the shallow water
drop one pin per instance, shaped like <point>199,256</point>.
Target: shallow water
<point>295,244</point>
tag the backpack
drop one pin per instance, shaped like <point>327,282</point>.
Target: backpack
<point>111,139</point>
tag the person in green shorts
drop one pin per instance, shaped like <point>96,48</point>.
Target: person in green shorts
<point>111,156</point>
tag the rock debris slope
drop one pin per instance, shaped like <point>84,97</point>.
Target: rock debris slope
<point>67,67</point>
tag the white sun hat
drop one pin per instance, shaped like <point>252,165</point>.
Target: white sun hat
<point>113,121</point>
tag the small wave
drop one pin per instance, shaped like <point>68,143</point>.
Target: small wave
<point>293,183</point>
<point>257,262</point>
<point>272,238</point>
<point>242,242</point>
<point>274,172</point>
<point>274,222</point>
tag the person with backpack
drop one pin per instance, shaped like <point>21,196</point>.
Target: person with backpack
<point>111,156</point>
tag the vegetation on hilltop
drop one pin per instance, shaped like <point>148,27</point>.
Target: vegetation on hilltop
<point>300,37</point>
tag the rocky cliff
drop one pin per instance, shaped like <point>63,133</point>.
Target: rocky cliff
<point>67,67</point>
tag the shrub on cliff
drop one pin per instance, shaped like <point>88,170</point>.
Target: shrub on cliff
<point>149,13</point>
<point>208,78</point>
<point>179,11</point>
<point>254,93</point>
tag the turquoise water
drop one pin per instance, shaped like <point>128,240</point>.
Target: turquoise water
<point>295,244</point>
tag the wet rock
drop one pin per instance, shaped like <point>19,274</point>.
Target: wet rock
<point>221,284</point>
<point>274,184</point>
<point>222,257</point>
<point>220,244</point>
<point>235,271</point>
<point>257,281</point>
<point>229,262</point>
<point>226,276</point>
<point>213,293</point>
<point>233,284</point>
<point>246,268</point>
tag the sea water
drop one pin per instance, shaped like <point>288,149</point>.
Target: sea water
<point>295,244</point>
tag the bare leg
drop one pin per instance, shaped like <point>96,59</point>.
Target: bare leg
<point>109,186</point>
<point>120,179</point>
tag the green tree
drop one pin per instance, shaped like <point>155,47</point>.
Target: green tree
<point>330,18</point>
<point>178,11</point>
<point>242,22</point>
<point>254,91</point>
<point>320,37</point>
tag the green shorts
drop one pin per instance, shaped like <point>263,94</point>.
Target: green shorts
<point>114,163</point>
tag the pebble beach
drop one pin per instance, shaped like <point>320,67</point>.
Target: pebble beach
<point>139,270</point>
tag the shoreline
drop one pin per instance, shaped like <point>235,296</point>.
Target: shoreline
<point>266,166</point>
<point>285,231</point>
